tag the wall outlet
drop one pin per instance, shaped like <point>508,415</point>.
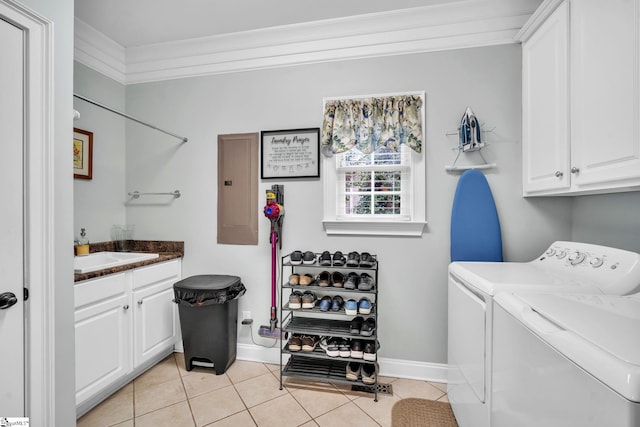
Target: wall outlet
<point>246,315</point>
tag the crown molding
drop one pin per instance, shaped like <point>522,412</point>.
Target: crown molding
<point>462,24</point>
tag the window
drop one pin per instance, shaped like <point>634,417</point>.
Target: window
<point>377,193</point>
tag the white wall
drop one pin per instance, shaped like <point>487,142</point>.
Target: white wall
<point>99,202</point>
<point>413,300</point>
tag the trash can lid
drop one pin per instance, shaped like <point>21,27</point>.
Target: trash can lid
<point>207,282</point>
<point>208,289</point>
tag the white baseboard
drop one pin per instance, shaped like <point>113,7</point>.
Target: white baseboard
<point>398,368</point>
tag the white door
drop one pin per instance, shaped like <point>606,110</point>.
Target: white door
<point>11,220</point>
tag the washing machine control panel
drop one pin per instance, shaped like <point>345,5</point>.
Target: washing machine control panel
<point>617,270</point>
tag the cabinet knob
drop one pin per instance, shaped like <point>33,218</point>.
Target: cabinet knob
<point>126,307</point>
<point>575,170</point>
<point>559,174</point>
<point>140,302</point>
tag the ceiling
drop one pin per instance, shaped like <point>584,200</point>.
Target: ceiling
<point>145,22</point>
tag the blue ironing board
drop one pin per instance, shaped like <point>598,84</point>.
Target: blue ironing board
<point>475,227</point>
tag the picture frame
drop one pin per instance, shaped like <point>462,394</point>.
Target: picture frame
<point>82,154</point>
<point>291,153</point>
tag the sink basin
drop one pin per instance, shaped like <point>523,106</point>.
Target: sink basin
<point>101,260</point>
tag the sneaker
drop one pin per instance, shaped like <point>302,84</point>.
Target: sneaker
<point>368,373</point>
<point>353,259</point>
<point>344,348</point>
<point>337,279</point>
<point>295,258</point>
<point>365,283</point>
<point>294,279</point>
<point>295,343</point>
<point>310,342</point>
<point>295,300</point>
<point>338,259</point>
<point>325,303</point>
<point>356,325</point>
<point>367,260</point>
<point>356,349</point>
<point>352,281</point>
<point>368,327</point>
<point>370,350</point>
<point>364,306</point>
<point>353,371</point>
<point>306,280</point>
<point>330,346</point>
<point>308,299</point>
<point>308,258</point>
<point>325,258</point>
<point>336,303</point>
<point>324,278</point>
<point>351,307</point>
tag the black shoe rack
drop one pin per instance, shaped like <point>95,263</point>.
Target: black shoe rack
<point>316,365</point>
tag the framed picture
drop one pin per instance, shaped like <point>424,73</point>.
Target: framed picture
<point>290,153</point>
<point>82,154</point>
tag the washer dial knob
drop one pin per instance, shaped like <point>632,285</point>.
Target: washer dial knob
<point>596,262</point>
<point>576,258</point>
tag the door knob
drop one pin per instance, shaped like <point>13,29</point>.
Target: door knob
<point>559,174</point>
<point>7,299</point>
<point>575,170</point>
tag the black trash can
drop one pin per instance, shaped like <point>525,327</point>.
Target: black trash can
<point>208,307</point>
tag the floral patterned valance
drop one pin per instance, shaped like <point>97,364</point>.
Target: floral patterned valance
<point>369,124</point>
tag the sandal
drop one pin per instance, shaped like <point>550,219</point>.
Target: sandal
<point>294,279</point>
<point>325,258</point>
<point>367,260</point>
<point>338,259</point>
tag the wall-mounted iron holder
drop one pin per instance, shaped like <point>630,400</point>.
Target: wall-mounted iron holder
<point>136,194</point>
<point>486,165</point>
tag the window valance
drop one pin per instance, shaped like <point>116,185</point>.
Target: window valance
<point>372,123</point>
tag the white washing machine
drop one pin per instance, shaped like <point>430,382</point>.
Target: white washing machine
<point>566,361</point>
<point>565,267</point>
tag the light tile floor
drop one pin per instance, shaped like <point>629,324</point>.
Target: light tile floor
<point>247,394</point>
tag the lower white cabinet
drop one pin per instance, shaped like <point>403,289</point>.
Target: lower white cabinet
<point>124,324</point>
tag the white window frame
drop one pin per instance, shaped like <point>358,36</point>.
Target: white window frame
<point>335,224</point>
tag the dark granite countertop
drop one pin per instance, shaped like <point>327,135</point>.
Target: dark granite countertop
<point>166,249</point>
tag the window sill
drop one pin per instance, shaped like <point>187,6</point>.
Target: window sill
<point>374,228</point>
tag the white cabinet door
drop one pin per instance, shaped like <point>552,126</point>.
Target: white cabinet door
<point>156,324</point>
<point>103,349</point>
<point>605,142</point>
<point>545,105</point>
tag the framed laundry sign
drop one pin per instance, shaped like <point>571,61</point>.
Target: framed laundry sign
<point>290,153</point>
<point>82,154</point>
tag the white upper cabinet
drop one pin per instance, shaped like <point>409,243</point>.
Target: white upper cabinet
<point>580,98</point>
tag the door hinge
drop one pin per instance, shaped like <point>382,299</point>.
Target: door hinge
<point>25,294</point>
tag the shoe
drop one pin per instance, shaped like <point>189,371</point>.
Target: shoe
<point>295,258</point>
<point>338,259</point>
<point>356,325</point>
<point>310,342</point>
<point>365,283</point>
<point>368,327</point>
<point>364,306</point>
<point>370,350</point>
<point>294,279</point>
<point>330,346</point>
<point>308,258</point>
<point>325,258</point>
<point>337,279</point>
<point>336,303</point>
<point>295,300</point>
<point>367,260</point>
<point>353,259</point>
<point>353,371</point>
<point>351,307</point>
<point>306,280</point>
<point>295,343</point>
<point>344,348</point>
<point>368,372</point>
<point>324,279</point>
<point>356,349</point>
<point>352,281</point>
<point>308,299</point>
<point>325,303</point>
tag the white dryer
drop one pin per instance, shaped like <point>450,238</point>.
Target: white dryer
<point>566,361</point>
<point>565,267</point>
